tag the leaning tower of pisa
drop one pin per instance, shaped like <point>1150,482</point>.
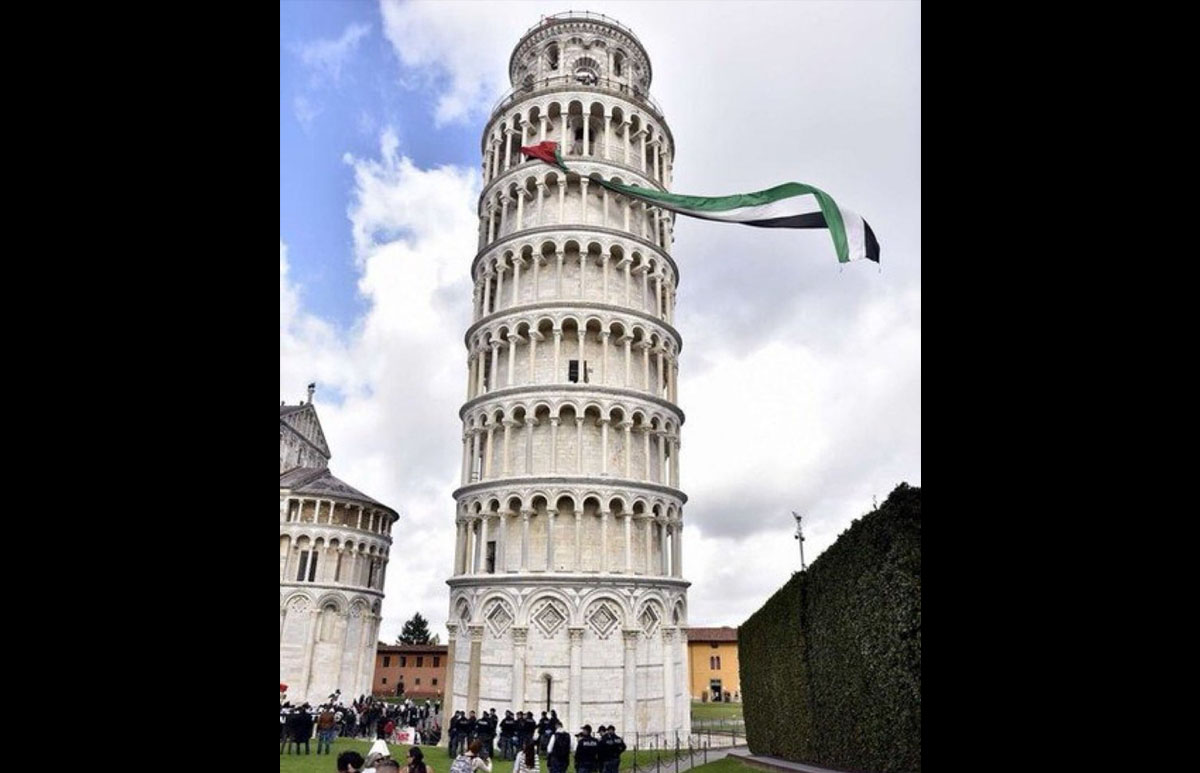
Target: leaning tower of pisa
<point>567,591</point>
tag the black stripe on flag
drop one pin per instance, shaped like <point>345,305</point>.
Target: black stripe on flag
<point>807,220</point>
<point>872,245</point>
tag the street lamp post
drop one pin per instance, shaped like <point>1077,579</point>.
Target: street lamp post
<point>799,536</point>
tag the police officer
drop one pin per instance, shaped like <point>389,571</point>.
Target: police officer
<point>486,732</point>
<point>525,730</point>
<point>544,729</point>
<point>558,751</point>
<point>461,730</point>
<point>508,735</point>
<point>611,747</point>
<point>587,751</point>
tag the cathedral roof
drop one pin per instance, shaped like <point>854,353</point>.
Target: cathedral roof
<point>320,482</point>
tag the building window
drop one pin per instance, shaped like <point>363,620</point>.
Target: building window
<point>437,661</point>
<point>714,645</point>
<point>577,370</point>
<point>385,680</point>
<point>715,662</point>
<point>435,682</point>
<point>417,680</point>
<point>387,661</point>
<point>420,661</point>
<point>491,557</point>
<point>308,566</point>
<point>403,661</point>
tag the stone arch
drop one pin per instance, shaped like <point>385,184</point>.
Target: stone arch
<point>498,612</point>
<point>336,599</point>
<point>298,601</point>
<point>603,614</point>
<point>533,608</point>
<point>462,610</point>
<point>651,615</point>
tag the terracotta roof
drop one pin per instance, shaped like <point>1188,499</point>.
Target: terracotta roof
<point>712,634</point>
<point>404,649</point>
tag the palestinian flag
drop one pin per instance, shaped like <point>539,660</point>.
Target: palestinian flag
<point>790,205</point>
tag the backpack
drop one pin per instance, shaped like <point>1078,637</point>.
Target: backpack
<point>461,765</point>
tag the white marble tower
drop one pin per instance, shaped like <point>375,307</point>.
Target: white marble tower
<point>567,589</point>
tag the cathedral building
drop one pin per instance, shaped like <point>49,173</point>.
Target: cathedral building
<point>333,553</point>
<point>567,589</point>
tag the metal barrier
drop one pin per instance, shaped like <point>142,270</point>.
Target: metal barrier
<point>583,15</point>
<point>600,85</point>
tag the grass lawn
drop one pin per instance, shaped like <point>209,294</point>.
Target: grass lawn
<point>725,765</point>
<point>716,712</point>
<point>435,758</point>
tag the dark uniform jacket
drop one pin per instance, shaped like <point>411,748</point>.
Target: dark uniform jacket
<point>561,753</point>
<point>587,753</point>
<point>611,746</point>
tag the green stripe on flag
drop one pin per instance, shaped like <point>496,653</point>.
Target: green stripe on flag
<point>715,204</point>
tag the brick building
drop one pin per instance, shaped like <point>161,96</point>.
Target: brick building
<point>713,664</point>
<point>419,670</point>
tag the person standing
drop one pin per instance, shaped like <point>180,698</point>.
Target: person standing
<point>544,729</point>
<point>527,761</point>
<point>558,751</point>
<point>587,751</point>
<point>464,725</point>
<point>528,727</point>
<point>508,736</point>
<point>488,733</point>
<point>611,747</point>
<point>325,725</point>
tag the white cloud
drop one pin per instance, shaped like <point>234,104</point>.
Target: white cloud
<point>327,57</point>
<point>464,43</point>
<point>402,368</point>
<point>305,110</point>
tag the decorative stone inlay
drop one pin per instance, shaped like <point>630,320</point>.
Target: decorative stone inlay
<point>649,620</point>
<point>549,617</point>
<point>298,604</point>
<point>499,617</point>
<point>603,621</point>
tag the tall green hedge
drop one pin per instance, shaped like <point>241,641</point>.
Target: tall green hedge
<point>831,664</point>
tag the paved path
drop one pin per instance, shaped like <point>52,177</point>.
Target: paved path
<point>774,763</point>
<point>687,762</point>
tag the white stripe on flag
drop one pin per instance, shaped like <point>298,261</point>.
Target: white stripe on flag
<point>856,235</point>
<point>789,207</point>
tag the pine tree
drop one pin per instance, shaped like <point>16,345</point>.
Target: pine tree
<point>416,631</point>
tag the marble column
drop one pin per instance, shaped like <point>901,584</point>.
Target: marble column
<point>476,633</point>
<point>629,694</point>
<point>575,687</point>
<point>520,636</point>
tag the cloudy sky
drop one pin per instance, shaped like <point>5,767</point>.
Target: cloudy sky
<point>800,379</point>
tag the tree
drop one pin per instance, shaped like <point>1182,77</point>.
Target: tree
<point>416,631</point>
